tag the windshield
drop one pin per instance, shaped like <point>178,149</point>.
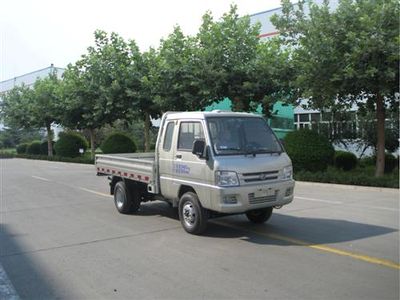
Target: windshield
<point>241,135</point>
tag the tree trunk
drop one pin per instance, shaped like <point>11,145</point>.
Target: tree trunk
<point>49,140</point>
<point>237,104</point>
<point>92,144</point>
<point>146,132</point>
<point>380,145</point>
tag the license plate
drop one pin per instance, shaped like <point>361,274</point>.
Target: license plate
<point>263,193</point>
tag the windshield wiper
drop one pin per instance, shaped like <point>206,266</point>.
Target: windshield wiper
<point>228,149</point>
<point>261,151</point>
<point>269,151</point>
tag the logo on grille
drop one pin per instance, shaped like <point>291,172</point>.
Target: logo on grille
<point>263,176</point>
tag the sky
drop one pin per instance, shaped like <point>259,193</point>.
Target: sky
<point>37,33</point>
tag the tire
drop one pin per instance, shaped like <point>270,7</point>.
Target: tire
<point>192,215</point>
<point>259,216</point>
<point>126,200</point>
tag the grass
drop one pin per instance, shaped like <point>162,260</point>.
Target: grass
<point>361,175</point>
<point>9,150</point>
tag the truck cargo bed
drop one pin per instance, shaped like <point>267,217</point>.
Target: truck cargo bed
<point>134,166</point>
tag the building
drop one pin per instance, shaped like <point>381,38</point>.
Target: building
<point>29,79</point>
<point>302,118</point>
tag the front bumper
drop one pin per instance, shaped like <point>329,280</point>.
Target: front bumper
<point>249,197</point>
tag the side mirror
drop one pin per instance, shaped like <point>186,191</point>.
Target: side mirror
<point>199,147</point>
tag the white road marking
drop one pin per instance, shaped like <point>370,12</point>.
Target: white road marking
<point>318,200</point>
<point>94,192</point>
<point>377,207</point>
<point>7,290</point>
<point>41,178</point>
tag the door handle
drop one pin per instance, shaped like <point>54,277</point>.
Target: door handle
<point>178,156</point>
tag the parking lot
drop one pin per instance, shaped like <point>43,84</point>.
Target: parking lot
<point>61,237</point>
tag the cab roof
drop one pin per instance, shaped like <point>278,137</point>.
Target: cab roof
<point>205,114</point>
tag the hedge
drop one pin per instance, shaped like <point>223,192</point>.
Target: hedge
<point>118,142</point>
<point>345,160</point>
<point>21,148</point>
<point>308,150</point>
<point>69,143</point>
<point>34,148</point>
<point>360,177</point>
<point>391,162</point>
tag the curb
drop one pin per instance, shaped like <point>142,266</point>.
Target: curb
<point>349,187</point>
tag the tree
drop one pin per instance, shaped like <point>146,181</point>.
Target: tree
<point>227,51</point>
<point>23,107</point>
<point>94,89</point>
<point>367,132</point>
<point>142,82</point>
<point>45,106</point>
<point>14,107</point>
<point>180,85</point>
<point>234,63</point>
<point>346,56</point>
<point>10,137</point>
<point>273,74</point>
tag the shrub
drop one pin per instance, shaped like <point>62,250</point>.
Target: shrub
<point>44,149</point>
<point>367,161</point>
<point>118,142</point>
<point>391,162</point>
<point>357,176</point>
<point>345,160</point>
<point>21,148</point>
<point>4,154</point>
<point>69,143</point>
<point>33,148</point>
<point>309,150</point>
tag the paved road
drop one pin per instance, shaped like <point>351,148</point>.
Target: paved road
<point>61,237</point>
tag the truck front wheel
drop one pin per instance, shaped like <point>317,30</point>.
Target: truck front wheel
<point>192,215</point>
<point>259,216</point>
<point>126,201</point>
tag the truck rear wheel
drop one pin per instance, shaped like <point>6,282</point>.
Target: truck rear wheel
<point>259,216</point>
<point>192,215</point>
<point>126,201</point>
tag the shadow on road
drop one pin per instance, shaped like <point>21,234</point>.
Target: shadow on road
<point>27,276</point>
<point>158,208</point>
<point>308,229</point>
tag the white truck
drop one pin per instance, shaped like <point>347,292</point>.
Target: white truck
<point>206,164</point>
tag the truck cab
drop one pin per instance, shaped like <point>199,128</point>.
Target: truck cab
<point>231,162</point>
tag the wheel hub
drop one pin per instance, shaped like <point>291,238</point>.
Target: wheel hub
<point>189,214</point>
<point>120,198</point>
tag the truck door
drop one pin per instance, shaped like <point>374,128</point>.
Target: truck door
<point>188,168</point>
<point>166,159</point>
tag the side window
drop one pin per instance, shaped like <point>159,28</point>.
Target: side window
<point>188,132</point>
<point>168,136</point>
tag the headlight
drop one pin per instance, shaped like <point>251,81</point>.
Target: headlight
<point>226,178</point>
<point>288,172</point>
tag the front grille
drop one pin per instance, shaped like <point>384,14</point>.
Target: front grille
<point>260,176</point>
<point>265,199</point>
